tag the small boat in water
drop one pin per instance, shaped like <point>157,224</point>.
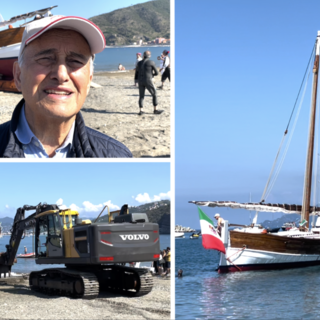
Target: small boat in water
<point>179,234</point>
<point>26,255</point>
<point>194,236</point>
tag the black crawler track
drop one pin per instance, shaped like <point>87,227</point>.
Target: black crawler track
<point>86,285</point>
<point>142,279</point>
<point>65,282</point>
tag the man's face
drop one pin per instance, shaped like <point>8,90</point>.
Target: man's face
<point>55,74</point>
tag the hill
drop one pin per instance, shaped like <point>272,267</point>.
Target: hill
<point>146,21</point>
<point>158,212</point>
<point>281,221</point>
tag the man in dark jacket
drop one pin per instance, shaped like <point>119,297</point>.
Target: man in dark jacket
<point>54,72</point>
<point>147,70</point>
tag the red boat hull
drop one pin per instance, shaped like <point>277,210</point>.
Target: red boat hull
<point>6,67</point>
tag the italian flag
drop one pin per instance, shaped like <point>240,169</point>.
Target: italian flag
<point>210,237</point>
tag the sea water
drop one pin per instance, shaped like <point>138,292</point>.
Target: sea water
<point>202,293</point>
<point>28,265</point>
<point>110,58</point>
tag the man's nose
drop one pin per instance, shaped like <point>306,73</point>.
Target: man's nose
<point>60,72</point>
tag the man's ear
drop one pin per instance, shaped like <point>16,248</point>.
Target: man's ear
<point>16,75</point>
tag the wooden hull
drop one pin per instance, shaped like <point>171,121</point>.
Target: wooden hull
<point>10,36</point>
<point>258,251</point>
<point>274,243</point>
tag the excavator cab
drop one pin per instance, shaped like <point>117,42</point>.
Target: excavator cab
<point>56,228</point>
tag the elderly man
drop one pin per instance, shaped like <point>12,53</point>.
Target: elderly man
<point>219,222</point>
<point>147,70</point>
<point>54,73</point>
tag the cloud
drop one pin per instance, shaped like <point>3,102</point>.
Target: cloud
<point>89,209</point>
<point>145,198</point>
<point>8,211</point>
<point>162,196</point>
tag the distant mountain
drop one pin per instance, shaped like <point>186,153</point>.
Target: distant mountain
<point>146,21</point>
<point>6,221</point>
<point>280,221</point>
<point>157,212</point>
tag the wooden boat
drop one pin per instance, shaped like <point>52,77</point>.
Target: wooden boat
<point>27,255</point>
<point>255,248</point>
<point>10,40</point>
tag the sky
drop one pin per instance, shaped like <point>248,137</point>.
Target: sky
<point>238,69</point>
<point>85,187</point>
<point>81,8</point>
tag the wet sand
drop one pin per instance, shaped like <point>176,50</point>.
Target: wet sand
<point>113,109</point>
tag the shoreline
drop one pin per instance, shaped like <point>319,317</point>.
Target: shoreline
<point>138,46</point>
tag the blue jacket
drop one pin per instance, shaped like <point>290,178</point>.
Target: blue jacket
<point>87,143</point>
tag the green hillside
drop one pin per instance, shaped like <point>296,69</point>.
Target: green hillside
<point>158,212</point>
<point>145,21</point>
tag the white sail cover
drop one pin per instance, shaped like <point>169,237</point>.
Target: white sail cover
<point>26,16</point>
<point>261,207</point>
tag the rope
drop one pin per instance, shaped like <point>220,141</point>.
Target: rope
<point>289,139</point>
<point>244,247</point>
<point>271,180</point>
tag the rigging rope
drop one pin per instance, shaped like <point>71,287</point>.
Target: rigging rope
<point>289,139</point>
<point>267,188</point>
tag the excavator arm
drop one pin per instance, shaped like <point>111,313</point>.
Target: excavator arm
<point>20,224</point>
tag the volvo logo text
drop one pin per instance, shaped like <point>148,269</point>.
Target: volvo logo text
<point>134,236</point>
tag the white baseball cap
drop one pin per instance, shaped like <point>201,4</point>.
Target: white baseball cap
<point>217,215</point>
<point>87,28</point>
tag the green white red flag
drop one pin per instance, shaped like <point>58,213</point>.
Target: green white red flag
<point>210,236</point>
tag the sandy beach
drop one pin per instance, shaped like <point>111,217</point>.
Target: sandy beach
<point>113,109</point>
<point>17,301</point>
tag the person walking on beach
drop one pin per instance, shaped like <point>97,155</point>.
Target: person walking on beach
<point>219,222</point>
<point>54,73</point>
<point>165,69</point>
<point>147,70</point>
<point>136,74</point>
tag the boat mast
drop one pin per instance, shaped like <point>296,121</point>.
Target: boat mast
<point>308,174</point>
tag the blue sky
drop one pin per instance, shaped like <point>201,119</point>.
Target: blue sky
<point>83,186</point>
<point>238,69</point>
<point>81,8</point>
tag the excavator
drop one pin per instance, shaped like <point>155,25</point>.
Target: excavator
<point>94,254</point>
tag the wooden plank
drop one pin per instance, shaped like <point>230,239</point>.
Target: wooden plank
<point>11,36</point>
